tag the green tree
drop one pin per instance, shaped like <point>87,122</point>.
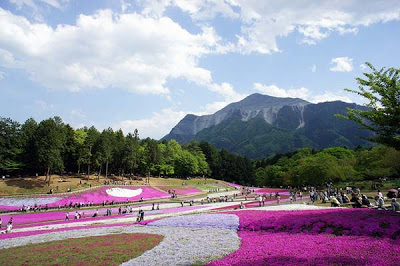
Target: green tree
<point>91,138</point>
<point>10,145</point>
<point>28,133</point>
<point>48,146</point>
<point>105,146</point>
<point>79,138</point>
<point>381,88</point>
<point>131,153</point>
<point>318,169</point>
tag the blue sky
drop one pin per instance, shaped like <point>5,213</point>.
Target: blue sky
<point>145,64</point>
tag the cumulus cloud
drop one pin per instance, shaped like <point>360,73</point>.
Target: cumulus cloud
<point>107,50</point>
<point>273,90</point>
<point>342,64</point>
<point>302,93</point>
<point>263,22</point>
<point>198,10</point>
<point>156,126</point>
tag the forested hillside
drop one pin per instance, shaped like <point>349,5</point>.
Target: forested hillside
<point>52,146</point>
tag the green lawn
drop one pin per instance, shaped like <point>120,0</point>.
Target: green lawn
<point>97,250</point>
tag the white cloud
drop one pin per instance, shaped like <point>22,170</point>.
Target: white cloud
<point>198,10</point>
<point>273,90</point>
<point>2,75</point>
<point>263,22</point>
<point>160,123</point>
<point>363,66</point>
<point>314,68</point>
<point>226,90</point>
<point>107,50</point>
<point>156,126</point>
<point>342,64</point>
<point>302,93</point>
<point>330,97</point>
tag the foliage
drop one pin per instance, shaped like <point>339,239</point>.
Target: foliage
<point>307,167</point>
<point>381,88</point>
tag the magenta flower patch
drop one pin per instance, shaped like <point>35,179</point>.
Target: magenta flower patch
<point>323,237</point>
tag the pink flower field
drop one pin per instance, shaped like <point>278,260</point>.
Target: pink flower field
<point>97,196</point>
<point>327,237</point>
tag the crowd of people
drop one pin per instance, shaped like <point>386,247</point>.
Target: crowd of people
<point>339,197</point>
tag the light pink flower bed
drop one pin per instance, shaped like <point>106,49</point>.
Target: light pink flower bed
<point>98,195</point>
<point>30,233</point>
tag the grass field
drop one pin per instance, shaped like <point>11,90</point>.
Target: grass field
<point>96,250</point>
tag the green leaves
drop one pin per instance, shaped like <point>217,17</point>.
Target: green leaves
<point>381,89</point>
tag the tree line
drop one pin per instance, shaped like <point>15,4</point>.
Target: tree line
<point>53,146</point>
<point>309,167</point>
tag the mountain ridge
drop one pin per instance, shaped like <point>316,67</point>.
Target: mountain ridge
<point>261,125</point>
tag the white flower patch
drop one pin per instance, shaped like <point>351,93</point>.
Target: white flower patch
<point>227,221</point>
<point>27,201</point>
<point>123,192</point>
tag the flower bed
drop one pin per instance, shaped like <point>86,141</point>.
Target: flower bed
<point>95,195</point>
<point>227,221</point>
<point>181,245</point>
<point>98,250</point>
<point>323,237</point>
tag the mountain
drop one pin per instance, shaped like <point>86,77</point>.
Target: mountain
<point>261,125</point>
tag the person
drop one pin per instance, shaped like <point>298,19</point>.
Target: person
<point>152,207</point>
<point>9,227</point>
<point>335,202</point>
<point>379,194</point>
<point>158,206</point>
<point>380,202</point>
<point>96,213</point>
<point>278,198</point>
<point>67,216</point>
<point>365,201</point>
<point>142,216</point>
<point>345,198</point>
<point>356,201</point>
<point>241,205</point>
<point>395,205</point>
<point>1,223</point>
